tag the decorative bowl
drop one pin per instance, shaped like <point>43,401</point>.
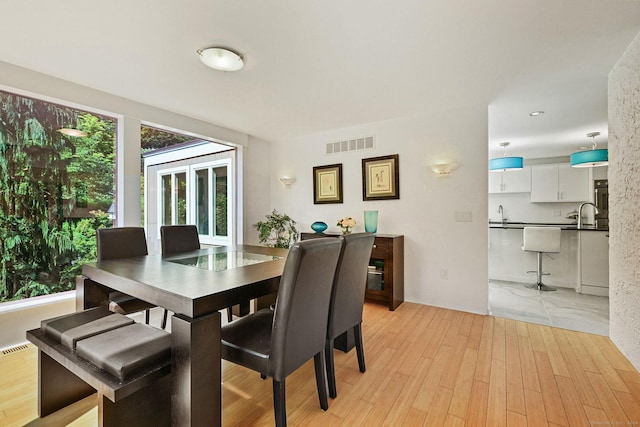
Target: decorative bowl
<point>319,226</point>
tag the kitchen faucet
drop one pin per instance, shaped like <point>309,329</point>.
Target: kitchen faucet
<point>596,212</point>
<point>501,212</point>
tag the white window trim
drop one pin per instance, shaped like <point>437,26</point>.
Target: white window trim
<point>207,239</point>
<point>191,197</point>
<point>160,207</point>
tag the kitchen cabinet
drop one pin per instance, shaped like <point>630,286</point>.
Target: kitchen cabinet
<point>560,183</point>
<point>594,262</point>
<point>516,181</point>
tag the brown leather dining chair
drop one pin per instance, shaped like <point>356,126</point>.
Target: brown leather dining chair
<point>179,239</point>
<point>123,242</point>
<point>347,299</point>
<point>277,342</point>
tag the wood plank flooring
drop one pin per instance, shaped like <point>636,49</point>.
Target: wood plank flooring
<point>426,366</point>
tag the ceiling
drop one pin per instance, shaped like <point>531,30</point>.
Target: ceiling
<point>313,66</point>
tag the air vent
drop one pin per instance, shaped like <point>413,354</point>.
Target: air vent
<point>15,349</point>
<point>364,143</point>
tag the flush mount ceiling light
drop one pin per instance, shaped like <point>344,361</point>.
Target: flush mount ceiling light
<point>501,164</point>
<point>72,132</point>
<point>536,113</point>
<point>590,158</point>
<point>220,58</point>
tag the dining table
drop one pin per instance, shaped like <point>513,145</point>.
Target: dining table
<point>195,286</point>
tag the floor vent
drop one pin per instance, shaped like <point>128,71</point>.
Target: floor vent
<point>15,349</point>
<point>364,143</point>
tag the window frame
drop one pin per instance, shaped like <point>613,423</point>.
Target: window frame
<point>191,198</point>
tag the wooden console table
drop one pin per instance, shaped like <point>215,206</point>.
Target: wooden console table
<point>385,281</point>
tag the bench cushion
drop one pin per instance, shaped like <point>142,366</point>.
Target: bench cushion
<point>124,351</point>
<point>71,328</point>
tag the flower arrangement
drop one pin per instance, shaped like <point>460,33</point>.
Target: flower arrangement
<point>346,224</point>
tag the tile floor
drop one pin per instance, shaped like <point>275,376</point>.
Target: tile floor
<point>563,308</point>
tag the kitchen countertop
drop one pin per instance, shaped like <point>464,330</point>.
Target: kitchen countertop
<point>521,225</point>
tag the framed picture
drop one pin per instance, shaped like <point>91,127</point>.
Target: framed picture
<point>327,184</point>
<point>380,178</point>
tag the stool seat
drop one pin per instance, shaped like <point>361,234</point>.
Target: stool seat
<point>541,240</point>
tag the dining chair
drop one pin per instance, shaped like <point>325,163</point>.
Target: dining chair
<point>177,239</point>
<point>277,342</point>
<point>347,299</point>
<point>123,242</point>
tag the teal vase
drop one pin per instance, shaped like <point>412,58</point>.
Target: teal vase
<point>319,226</point>
<point>371,221</point>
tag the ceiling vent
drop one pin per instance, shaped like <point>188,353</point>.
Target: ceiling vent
<point>364,143</point>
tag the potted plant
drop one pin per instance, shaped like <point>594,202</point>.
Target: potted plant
<point>277,231</point>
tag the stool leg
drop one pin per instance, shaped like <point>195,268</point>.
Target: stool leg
<point>539,285</point>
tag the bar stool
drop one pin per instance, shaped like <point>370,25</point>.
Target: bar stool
<point>541,240</point>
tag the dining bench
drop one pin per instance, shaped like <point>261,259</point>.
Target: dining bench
<point>128,364</point>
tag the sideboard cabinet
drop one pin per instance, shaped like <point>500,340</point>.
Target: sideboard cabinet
<point>385,277</point>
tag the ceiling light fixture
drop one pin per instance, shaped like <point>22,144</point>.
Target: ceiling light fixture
<point>501,164</point>
<point>72,132</point>
<point>220,58</point>
<point>536,113</point>
<point>590,158</point>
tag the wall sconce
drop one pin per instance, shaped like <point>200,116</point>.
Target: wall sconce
<point>443,169</point>
<point>287,181</point>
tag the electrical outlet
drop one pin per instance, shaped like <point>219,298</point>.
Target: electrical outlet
<point>557,212</point>
<point>444,274</point>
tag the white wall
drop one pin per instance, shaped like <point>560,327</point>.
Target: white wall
<point>17,317</point>
<point>624,203</point>
<point>425,212</point>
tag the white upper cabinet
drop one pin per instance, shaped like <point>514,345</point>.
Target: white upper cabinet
<point>560,183</point>
<point>517,181</point>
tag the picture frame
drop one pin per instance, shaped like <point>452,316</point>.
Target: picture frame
<point>327,184</point>
<point>381,178</point>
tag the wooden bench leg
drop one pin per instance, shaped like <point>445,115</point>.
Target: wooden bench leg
<point>57,386</point>
<point>150,406</point>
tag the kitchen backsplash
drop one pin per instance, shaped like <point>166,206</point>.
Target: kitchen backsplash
<point>518,208</point>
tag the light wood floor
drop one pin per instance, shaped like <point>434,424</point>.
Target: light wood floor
<point>426,366</point>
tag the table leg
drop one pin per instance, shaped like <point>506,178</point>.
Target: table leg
<point>345,341</point>
<point>196,379</point>
<point>90,294</point>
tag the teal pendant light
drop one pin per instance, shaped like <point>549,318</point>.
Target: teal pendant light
<point>590,158</point>
<point>501,164</point>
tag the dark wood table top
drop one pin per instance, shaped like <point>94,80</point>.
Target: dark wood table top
<point>187,289</point>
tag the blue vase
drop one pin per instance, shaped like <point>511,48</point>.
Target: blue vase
<point>319,226</point>
<point>370,221</point>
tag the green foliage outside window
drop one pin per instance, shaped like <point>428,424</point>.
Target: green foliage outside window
<point>54,191</point>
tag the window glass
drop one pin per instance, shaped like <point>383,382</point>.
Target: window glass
<point>181,198</point>
<point>202,201</point>
<point>57,177</point>
<point>220,174</point>
<point>166,200</point>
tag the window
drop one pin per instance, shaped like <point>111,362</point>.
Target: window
<point>212,210</point>
<point>198,194</point>
<point>173,200</point>
<point>57,178</point>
